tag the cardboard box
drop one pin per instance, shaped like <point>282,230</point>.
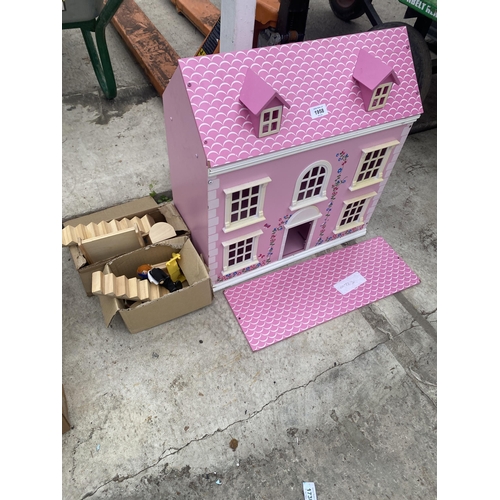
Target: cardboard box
<point>196,292</point>
<point>66,426</point>
<point>165,212</point>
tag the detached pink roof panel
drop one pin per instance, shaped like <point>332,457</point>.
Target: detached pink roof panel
<point>304,74</point>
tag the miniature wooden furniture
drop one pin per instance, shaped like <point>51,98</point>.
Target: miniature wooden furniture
<point>122,287</point>
<point>109,245</point>
<point>98,18</point>
<point>173,268</point>
<point>161,231</point>
<point>71,234</point>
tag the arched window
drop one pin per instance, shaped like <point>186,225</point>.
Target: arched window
<point>311,185</point>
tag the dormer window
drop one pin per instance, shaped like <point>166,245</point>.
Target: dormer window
<point>375,79</point>
<point>264,104</point>
<point>380,96</point>
<point>270,120</point>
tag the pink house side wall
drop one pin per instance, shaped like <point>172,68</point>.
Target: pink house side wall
<point>344,158</point>
<point>187,162</point>
<point>387,171</point>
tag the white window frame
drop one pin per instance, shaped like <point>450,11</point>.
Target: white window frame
<point>296,204</point>
<point>378,100</point>
<point>270,122</point>
<point>258,217</point>
<point>340,229</point>
<point>226,268</point>
<point>379,176</point>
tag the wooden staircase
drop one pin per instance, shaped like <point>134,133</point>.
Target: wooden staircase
<point>122,287</point>
<point>72,235</point>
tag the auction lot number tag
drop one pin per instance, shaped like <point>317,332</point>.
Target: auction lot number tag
<point>309,491</point>
<point>318,111</point>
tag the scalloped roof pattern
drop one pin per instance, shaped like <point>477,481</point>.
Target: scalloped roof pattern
<point>305,74</point>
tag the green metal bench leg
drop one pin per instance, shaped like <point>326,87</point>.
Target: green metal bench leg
<point>99,56</point>
<point>101,61</point>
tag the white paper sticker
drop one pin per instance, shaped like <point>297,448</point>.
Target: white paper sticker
<point>309,491</point>
<point>318,111</point>
<point>350,283</point>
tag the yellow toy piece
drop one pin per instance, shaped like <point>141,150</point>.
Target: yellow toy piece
<point>173,268</point>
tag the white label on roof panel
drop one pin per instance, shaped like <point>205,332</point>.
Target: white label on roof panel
<point>318,111</point>
<point>350,283</point>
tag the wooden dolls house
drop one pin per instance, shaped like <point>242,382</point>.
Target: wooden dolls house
<point>277,153</point>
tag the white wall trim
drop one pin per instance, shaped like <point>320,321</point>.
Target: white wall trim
<point>287,260</point>
<point>230,167</point>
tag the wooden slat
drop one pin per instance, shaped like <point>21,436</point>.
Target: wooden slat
<point>152,51</point>
<point>202,13</point>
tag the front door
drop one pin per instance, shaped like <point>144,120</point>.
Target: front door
<point>297,239</point>
<point>298,231</point>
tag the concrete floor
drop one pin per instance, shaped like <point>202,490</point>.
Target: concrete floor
<point>350,405</point>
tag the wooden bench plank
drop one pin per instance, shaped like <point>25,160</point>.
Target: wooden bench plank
<point>201,13</point>
<point>155,55</point>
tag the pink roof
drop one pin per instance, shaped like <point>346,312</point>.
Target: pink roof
<point>256,94</point>
<point>305,74</point>
<point>371,71</point>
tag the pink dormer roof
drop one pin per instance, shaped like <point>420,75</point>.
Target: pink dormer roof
<point>256,94</point>
<point>372,71</point>
<point>305,74</point>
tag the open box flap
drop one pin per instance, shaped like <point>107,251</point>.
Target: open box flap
<point>196,270</point>
<point>78,257</point>
<point>152,254</point>
<point>173,217</point>
<point>138,207</point>
<point>168,307</point>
